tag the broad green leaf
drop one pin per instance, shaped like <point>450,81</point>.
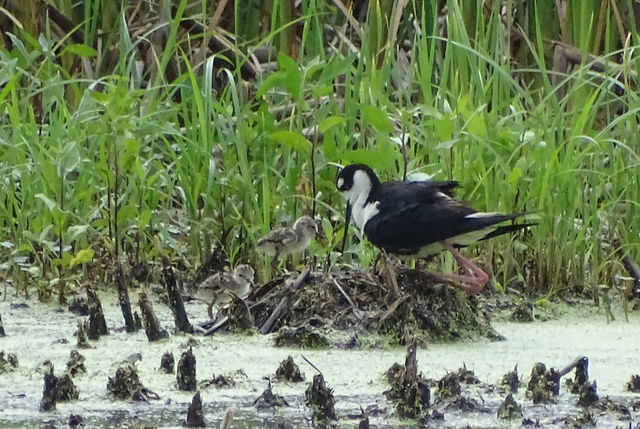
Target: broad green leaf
<point>293,140</point>
<point>477,127</point>
<point>446,145</point>
<point>19,46</point>
<point>82,257</point>
<point>76,231</point>
<point>100,223</point>
<point>293,79</point>
<point>30,236</point>
<point>100,97</point>
<point>81,50</point>
<point>523,164</point>
<point>65,261</point>
<point>330,122</point>
<point>7,86</point>
<point>144,219</point>
<point>336,68</point>
<point>376,159</point>
<point>377,118</point>
<point>70,157</point>
<point>430,111</point>
<point>127,212</point>
<point>443,128</point>
<point>44,233</point>
<point>51,205</point>
<point>514,177</point>
<point>329,146</point>
<point>327,228</point>
<point>322,91</point>
<point>270,82</point>
<point>44,43</point>
<point>132,146</point>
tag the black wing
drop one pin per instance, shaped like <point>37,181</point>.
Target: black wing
<point>414,214</point>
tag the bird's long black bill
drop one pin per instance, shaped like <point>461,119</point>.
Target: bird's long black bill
<point>347,219</point>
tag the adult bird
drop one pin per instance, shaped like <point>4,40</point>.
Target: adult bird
<point>420,218</point>
<point>285,240</point>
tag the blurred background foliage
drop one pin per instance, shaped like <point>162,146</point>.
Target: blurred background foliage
<point>191,128</point>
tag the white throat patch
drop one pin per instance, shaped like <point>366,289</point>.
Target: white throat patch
<point>357,196</point>
<point>361,186</point>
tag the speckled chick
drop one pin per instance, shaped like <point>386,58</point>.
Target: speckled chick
<point>219,289</point>
<point>282,241</point>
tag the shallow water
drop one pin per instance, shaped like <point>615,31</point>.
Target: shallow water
<point>39,332</point>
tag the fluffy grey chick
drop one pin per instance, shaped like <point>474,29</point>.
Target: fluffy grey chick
<point>282,241</point>
<point>221,288</point>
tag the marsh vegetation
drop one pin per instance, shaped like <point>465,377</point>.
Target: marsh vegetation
<point>148,143</point>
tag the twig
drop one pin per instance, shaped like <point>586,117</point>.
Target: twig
<point>397,16</point>
<point>567,369</point>
<point>312,365</point>
<point>392,308</point>
<point>276,314</point>
<point>346,296</point>
<point>66,25</point>
<point>207,328</point>
<point>352,20</point>
<point>228,418</point>
<point>217,326</point>
<point>225,50</point>
<point>302,277</point>
<point>593,62</point>
<point>264,290</point>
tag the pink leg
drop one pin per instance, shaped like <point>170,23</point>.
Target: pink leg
<point>471,283</point>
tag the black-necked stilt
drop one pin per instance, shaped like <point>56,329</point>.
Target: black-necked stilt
<point>282,241</point>
<point>419,218</point>
<point>221,288</point>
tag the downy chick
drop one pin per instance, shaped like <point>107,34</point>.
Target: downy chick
<point>282,241</point>
<point>221,288</point>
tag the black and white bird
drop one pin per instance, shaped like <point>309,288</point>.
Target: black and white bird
<point>282,241</point>
<point>220,289</point>
<point>419,218</point>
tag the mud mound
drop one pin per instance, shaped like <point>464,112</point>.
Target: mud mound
<point>302,307</point>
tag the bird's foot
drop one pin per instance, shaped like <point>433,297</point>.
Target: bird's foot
<point>468,284</point>
<point>473,281</point>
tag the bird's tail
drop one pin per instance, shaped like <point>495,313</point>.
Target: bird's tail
<point>505,229</point>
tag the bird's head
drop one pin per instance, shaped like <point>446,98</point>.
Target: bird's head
<point>353,182</point>
<point>306,226</point>
<point>356,180</point>
<point>243,272</point>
